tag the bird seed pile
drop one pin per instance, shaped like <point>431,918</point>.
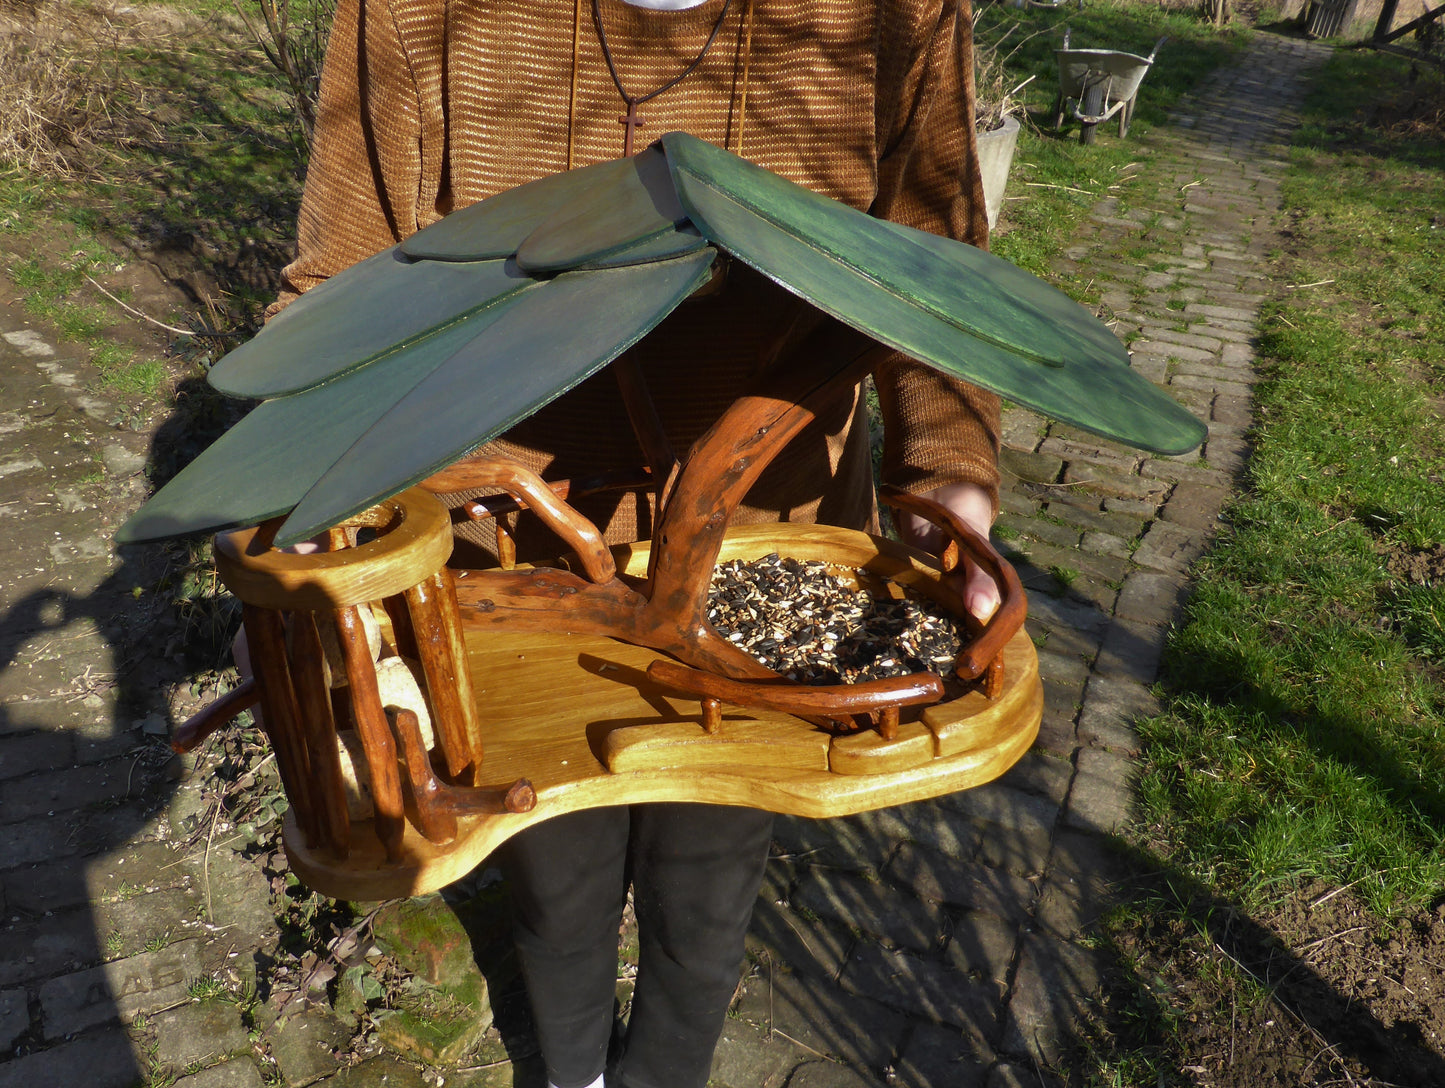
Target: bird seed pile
<point>802,620</point>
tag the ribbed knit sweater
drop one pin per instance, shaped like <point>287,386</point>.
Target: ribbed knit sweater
<point>430,105</point>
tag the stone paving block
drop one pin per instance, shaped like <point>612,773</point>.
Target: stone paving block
<point>1022,853</point>
<point>1188,457</point>
<point>1101,480</point>
<point>1017,502</point>
<point>33,841</point>
<point>1228,453</point>
<point>1240,314</point>
<point>1098,590</point>
<point>1041,774</point>
<point>1062,669</point>
<point>386,1071</point>
<point>22,755</point>
<point>128,926</point>
<point>199,1033</point>
<point>1102,796</point>
<point>99,1059</point>
<point>873,907</point>
<point>1152,597</point>
<point>1021,429</point>
<point>45,946</point>
<point>1145,509</point>
<point>939,1057</point>
<point>1234,411</point>
<point>235,892</point>
<point>1096,452</point>
<point>61,791</point>
<point>1239,354</point>
<point>1197,401</point>
<point>1063,697</point>
<point>821,1020</point>
<point>1002,807</point>
<point>961,989</point>
<point>447,1029</point>
<point>815,948</point>
<point>1223,290</point>
<point>304,1046</point>
<point>1213,384</point>
<point>867,841</point>
<point>50,886</point>
<point>1107,544</point>
<point>1131,650</point>
<point>983,948</point>
<point>1111,706</point>
<point>1065,640</point>
<point>1056,732</point>
<point>1171,350</point>
<point>119,990</point>
<point>1064,917</point>
<point>1150,364</point>
<point>986,888</point>
<point>1042,528</point>
<point>1174,338</point>
<point>427,939</point>
<point>749,1057</point>
<point>1073,510</point>
<point>240,1073</point>
<point>1229,332</point>
<point>14,1017</point>
<point>1195,506</point>
<point>1176,471</point>
<point>1041,557</point>
<point>43,674</point>
<point>131,823</point>
<point>1170,547</point>
<point>135,867</point>
<point>817,1074</point>
<point>1053,993</point>
<point>1040,468</point>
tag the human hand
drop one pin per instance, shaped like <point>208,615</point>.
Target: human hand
<point>971,504</point>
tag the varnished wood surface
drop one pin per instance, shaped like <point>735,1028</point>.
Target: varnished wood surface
<point>414,544</point>
<point>578,717</point>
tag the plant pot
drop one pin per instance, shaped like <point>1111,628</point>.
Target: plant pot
<point>995,156</point>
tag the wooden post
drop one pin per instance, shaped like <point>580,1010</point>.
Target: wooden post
<point>437,623</point>
<point>313,700</point>
<point>266,636</point>
<point>374,731</point>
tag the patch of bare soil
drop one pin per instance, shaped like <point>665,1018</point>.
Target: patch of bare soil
<point>1318,992</point>
<point>1418,566</point>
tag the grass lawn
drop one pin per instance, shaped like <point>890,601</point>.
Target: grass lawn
<point>1293,793</point>
<point>1307,733</point>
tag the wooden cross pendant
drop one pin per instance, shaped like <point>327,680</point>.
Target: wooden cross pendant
<point>633,121</point>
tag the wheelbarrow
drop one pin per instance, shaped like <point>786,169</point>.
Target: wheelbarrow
<point>1102,84</point>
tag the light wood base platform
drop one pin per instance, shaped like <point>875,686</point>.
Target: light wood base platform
<point>579,717</point>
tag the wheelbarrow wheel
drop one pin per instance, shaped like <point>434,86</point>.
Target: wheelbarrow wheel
<point>1091,105</point>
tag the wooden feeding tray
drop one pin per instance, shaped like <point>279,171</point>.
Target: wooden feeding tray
<point>581,719</point>
<point>543,697</point>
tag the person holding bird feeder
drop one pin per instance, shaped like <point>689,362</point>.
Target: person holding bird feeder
<point>428,106</point>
